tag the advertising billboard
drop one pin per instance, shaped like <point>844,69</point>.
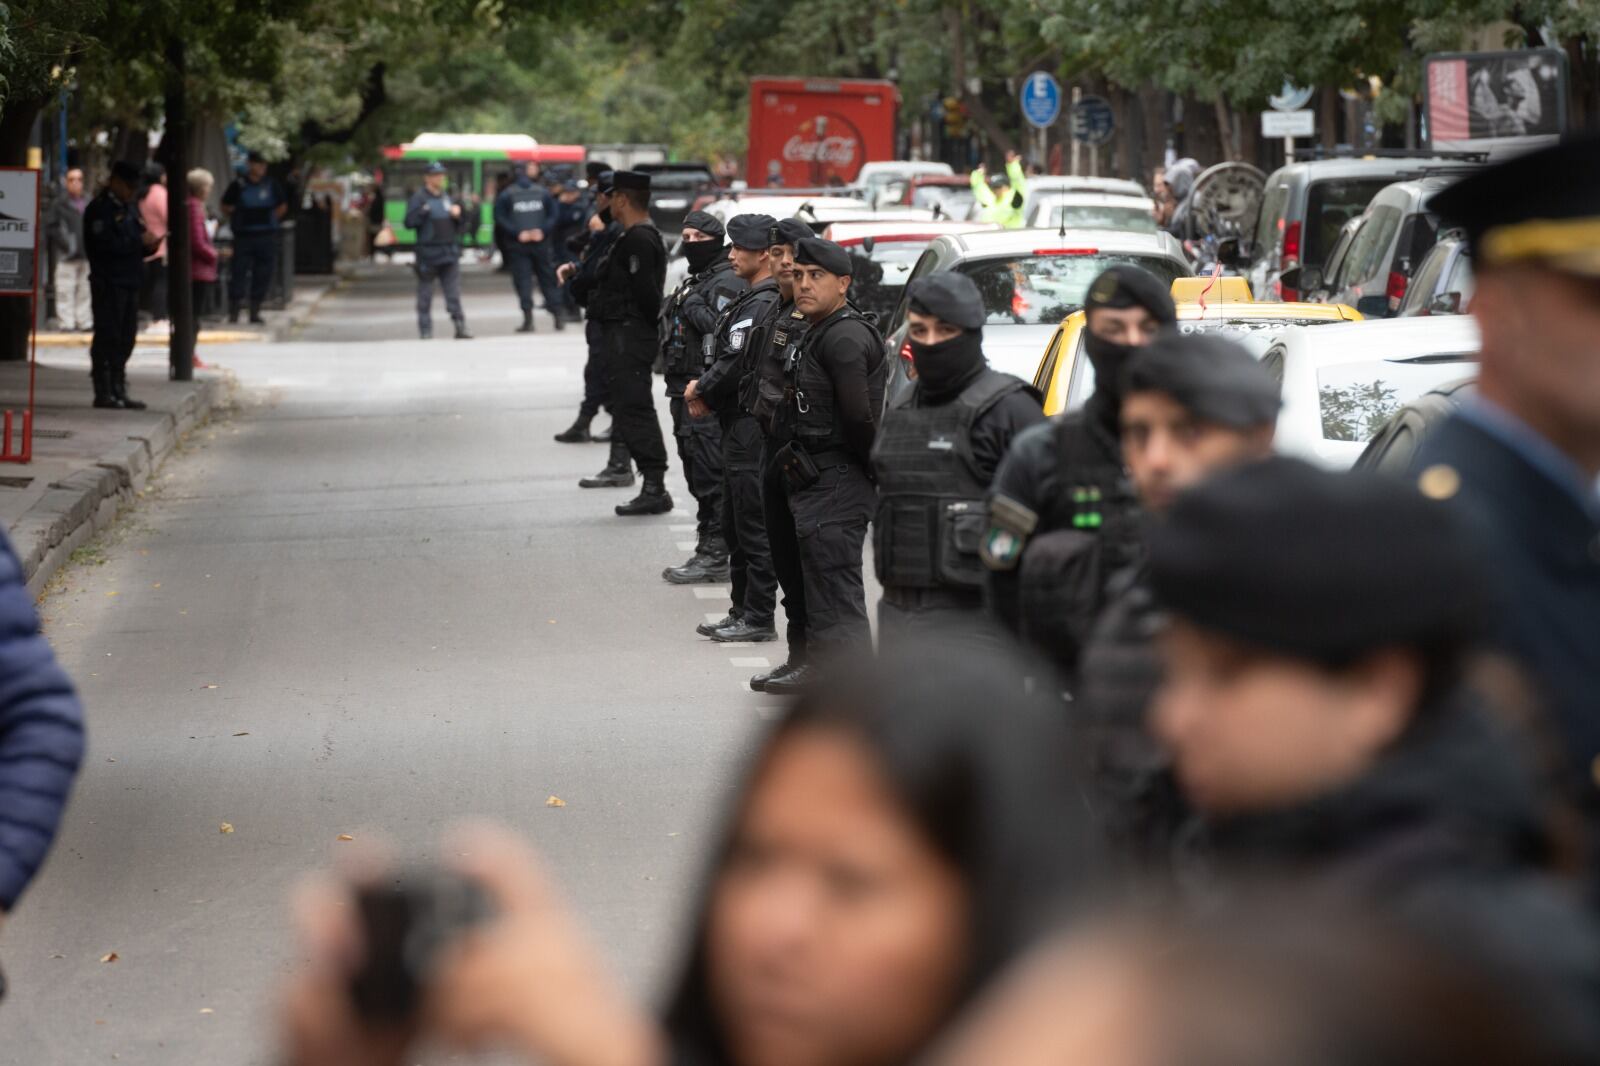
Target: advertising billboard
<point>1495,102</point>
<point>19,230</point>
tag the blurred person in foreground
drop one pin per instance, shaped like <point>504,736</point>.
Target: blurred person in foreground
<point>1318,706</point>
<point>891,852</point>
<point>1256,984</point>
<point>1192,404</point>
<point>1522,460</point>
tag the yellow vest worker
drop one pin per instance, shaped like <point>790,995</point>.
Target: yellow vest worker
<point>1003,208</point>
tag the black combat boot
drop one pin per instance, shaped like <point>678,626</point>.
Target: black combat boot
<point>743,631</point>
<point>779,674</point>
<point>103,396</point>
<point>561,320</point>
<point>795,682</point>
<point>578,432</point>
<point>652,498</point>
<point>425,330</point>
<point>618,473</point>
<point>461,329</point>
<point>527,323</point>
<point>708,565</point>
<point>119,391</point>
<point>705,629</point>
<point>255,315</point>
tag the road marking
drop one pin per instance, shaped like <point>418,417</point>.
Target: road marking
<point>769,712</point>
<point>710,592</point>
<point>757,662</point>
<point>682,529</point>
<point>687,545</point>
<point>713,617</point>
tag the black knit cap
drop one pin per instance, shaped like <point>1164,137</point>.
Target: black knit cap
<point>751,232</point>
<point>790,231</point>
<point>814,251</point>
<point>127,170</point>
<point>706,223</point>
<point>630,179</point>
<point>1124,285</point>
<point>1315,565</point>
<point>1211,377</point>
<point>949,296</point>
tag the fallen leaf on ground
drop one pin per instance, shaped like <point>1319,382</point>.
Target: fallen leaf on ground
<point>207,1010</point>
<point>58,956</point>
<point>156,585</point>
<point>345,836</point>
<point>241,734</point>
<point>555,801</point>
<point>113,592</point>
<point>208,686</point>
<point>110,957</point>
<point>227,827</point>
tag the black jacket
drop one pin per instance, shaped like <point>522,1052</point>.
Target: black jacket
<point>737,332</point>
<point>64,224</point>
<point>113,239</point>
<point>592,257</point>
<point>1446,832</point>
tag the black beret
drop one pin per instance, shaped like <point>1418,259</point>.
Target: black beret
<point>949,296</point>
<point>602,181</point>
<point>126,170</point>
<point>751,231</point>
<point>705,222</point>
<point>789,231</point>
<point>630,179</point>
<point>1211,377</point>
<point>1125,286</point>
<point>1543,206</point>
<point>594,168</point>
<point>1315,565</point>
<point>814,251</point>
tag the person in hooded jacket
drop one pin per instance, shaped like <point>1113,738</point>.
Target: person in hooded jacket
<point>1322,709</point>
<point>1063,515</point>
<point>688,318</point>
<point>933,459</point>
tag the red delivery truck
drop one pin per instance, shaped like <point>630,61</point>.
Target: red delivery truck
<point>809,132</point>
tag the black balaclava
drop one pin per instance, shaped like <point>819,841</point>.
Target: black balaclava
<point>945,368</point>
<point>702,254</point>
<point>1120,287</point>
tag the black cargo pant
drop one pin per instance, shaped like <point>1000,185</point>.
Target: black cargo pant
<point>116,329</point>
<point>830,524</point>
<point>630,352</point>
<point>595,393</point>
<point>744,521</point>
<point>784,545</point>
<point>448,274</point>
<point>254,256</point>
<point>528,261</point>
<point>700,451</point>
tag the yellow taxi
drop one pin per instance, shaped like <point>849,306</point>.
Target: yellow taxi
<point>1066,378</point>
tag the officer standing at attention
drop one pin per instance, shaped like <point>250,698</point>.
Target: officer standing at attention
<point>580,277</point>
<point>526,216</point>
<point>115,241</point>
<point>1192,404</point>
<point>436,219</point>
<point>688,320</point>
<point>755,586</point>
<point>834,390</point>
<point>253,204</point>
<point>1522,458</point>
<point>933,460</point>
<point>1063,516</point>
<point>628,300</point>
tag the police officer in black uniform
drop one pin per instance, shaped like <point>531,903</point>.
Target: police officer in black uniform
<point>933,460</point>
<point>688,320</point>
<point>116,243</point>
<point>580,277</point>
<point>1192,404</point>
<point>437,219</point>
<point>526,217</point>
<point>628,301</point>
<point>1063,516</point>
<point>755,585</point>
<point>834,387</point>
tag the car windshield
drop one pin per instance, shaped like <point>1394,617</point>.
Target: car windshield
<point>1357,399</point>
<point>1027,290</point>
<point>1329,205</point>
<point>880,275</point>
<point>1100,216</point>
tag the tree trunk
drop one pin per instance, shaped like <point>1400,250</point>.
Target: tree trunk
<point>1327,117</point>
<point>16,130</point>
<point>180,301</point>
<point>1230,147</point>
<point>1154,117</point>
<point>955,18</point>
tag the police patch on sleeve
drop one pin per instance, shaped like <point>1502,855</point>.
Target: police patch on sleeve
<point>1010,525</point>
<point>633,264</point>
<point>736,334</point>
<point>723,301</point>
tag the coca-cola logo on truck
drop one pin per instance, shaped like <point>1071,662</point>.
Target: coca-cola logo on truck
<point>839,151</point>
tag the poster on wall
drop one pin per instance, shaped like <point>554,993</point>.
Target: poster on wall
<point>19,230</point>
<point>1495,102</point>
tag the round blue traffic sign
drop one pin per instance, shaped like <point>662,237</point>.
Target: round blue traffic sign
<point>1041,99</point>
<point>1093,121</point>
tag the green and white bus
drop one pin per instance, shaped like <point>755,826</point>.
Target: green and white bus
<point>474,163</point>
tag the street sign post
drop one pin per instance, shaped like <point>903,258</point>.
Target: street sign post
<point>19,278</point>
<point>1288,125</point>
<point>1093,123</point>
<point>1041,99</point>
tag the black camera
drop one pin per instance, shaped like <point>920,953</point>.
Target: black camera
<point>405,923</point>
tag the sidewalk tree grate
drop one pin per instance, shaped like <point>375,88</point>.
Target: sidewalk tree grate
<point>52,434</point>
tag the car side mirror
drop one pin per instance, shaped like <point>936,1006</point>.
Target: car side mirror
<point>1446,303</point>
<point>1302,276</point>
<point>1376,306</point>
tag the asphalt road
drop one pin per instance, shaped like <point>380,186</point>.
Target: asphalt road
<point>369,602</point>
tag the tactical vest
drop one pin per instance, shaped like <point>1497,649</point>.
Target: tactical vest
<point>931,511</point>
<point>526,208</point>
<point>676,360</point>
<point>610,302</point>
<point>763,391</point>
<point>816,421</point>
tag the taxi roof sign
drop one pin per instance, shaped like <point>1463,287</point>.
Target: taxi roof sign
<point>1216,290</point>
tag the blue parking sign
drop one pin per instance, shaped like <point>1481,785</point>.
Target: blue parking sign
<point>1041,99</point>
<point>1093,121</point>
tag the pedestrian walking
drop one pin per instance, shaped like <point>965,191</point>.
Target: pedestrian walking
<point>65,231</point>
<point>933,460</point>
<point>1192,405</point>
<point>1522,459</point>
<point>436,218</point>
<point>254,204</point>
<point>525,215</point>
<point>153,211</point>
<point>582,279</point>
<point>202,253</point>
<point>116,243</point>
<point>1063,516</point>
<point>688,324</point>
<point>834,389</point>
<point>628,302</point>
<point>717,391</point>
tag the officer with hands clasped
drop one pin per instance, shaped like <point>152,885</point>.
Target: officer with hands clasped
<point>688,319</point>
<point>526,216</point>
<point>437,219</point>
<point>581,278</point>
<point>834,385</point>
<point>934,458</point>
<point>1063,515</point>
<point>755,585</point>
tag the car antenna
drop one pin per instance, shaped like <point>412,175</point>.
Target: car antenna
<point>1062,232</point>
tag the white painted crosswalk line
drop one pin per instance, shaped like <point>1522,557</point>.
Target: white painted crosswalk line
<point>687,545</point>
<point>710,592</point>
<point>751,662</point>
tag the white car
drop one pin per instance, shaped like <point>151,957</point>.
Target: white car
<point>875,177</point>
<point>1031,280</point>
<point>1342,383</point>
<point>1091,210</point>
<point>1049,184</point>
<point>885,253</point>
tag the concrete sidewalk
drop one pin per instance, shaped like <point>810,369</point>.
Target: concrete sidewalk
<point>309,289</point>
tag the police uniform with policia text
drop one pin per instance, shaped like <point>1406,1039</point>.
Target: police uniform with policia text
<point>437,220</point>
<point>526,217</point>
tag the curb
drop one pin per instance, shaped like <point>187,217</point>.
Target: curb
<point>293,318</point>
<point>84,503</point>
